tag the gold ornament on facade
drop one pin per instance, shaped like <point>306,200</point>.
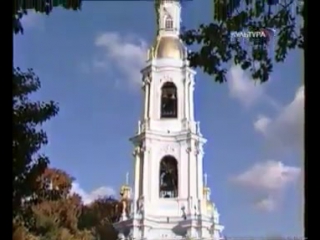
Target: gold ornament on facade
<point>206,191</point>
<point>209,207</point>
<point>125,200</point>
<point>151,53</point>
<point>125,192</point>
<point>208,204</point>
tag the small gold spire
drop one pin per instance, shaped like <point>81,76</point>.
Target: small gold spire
<point>209,206</point>
<point>125,189</point>
<point>205,179</point>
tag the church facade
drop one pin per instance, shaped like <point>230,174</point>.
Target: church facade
<point>171,198</point>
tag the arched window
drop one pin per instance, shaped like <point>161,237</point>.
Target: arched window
<point>168,177</point>
<point>169,101</point>
<point>168,23</point>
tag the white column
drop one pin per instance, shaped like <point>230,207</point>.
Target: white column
<point>137,175</point>
<point>193,174</point>
<point>191,98</point>
<point>197,177</point>
<point>151,101</point>
<point>200,175</point>
<point>146,100</point>
<point>190,173</point>
<point>184,173</point>
<point>186,102</point>
<point>146,174</point>
<point>185,93</point>
<point>153,178</point>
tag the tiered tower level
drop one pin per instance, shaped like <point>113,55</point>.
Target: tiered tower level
<point>171,199</point>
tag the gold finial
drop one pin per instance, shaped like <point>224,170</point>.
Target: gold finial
<point>205,179</point>
<point>125,189</point>
<point>206,189</point>
<point>127,178</point>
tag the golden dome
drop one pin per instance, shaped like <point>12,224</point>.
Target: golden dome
<point>169,47</point>
<point>210,207</point>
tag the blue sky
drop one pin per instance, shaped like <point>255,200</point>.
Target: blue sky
<point>89,63</point>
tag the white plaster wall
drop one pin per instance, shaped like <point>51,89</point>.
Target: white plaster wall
<point>174,76</point>
<point>170,137</point>
<point>184,175</point>
<point>177,72</point>
<point>187,175</point>
<point>160,150</point>
<point>161,137</point>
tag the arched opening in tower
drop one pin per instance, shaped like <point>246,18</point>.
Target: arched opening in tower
<point>169,101</point>
<point>168,23</point>
<point>168,177</point>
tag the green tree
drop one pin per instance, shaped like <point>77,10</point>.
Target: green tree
<point>28,137</point>
<point>53,212</point>
<point>21,8</point>
<point>215,46</point>
<point>99,216</point>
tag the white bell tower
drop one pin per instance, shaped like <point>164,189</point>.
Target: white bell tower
<point>170,199</point>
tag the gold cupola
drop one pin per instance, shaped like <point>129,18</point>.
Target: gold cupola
<point>170,47</point>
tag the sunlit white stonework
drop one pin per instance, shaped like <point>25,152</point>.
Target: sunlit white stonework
<point>171,198</point>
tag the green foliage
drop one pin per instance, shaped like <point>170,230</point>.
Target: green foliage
<point>54,213</point>
<point>216,48</point>
<point>28,137</point>
<point>99,216</point>
<point>20,9</point>
<point>43,206</point>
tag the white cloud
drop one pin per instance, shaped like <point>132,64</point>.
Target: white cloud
<point>268,179</point>
<point>266,204</point>
<point>87,198</point>
<point>125,55</point>
<point>285,131</point>
<point>244,89</point>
